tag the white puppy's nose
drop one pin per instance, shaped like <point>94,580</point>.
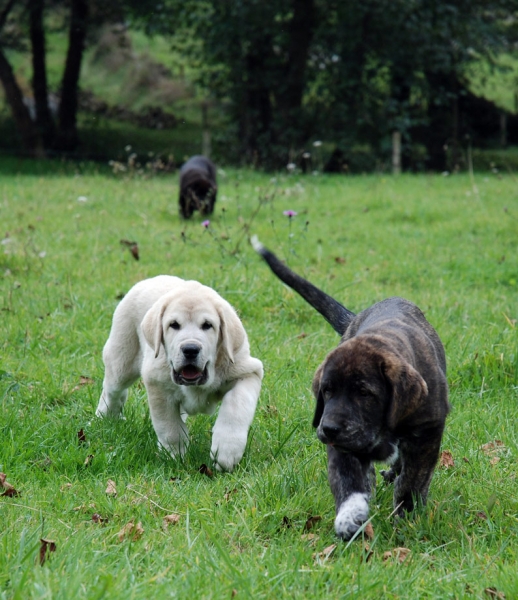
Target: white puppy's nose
<point>191,351</point>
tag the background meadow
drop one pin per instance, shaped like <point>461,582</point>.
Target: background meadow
<point>448,243</point>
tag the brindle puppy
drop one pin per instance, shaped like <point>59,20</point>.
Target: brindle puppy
<point>381,395</point>
<point>198,187</point>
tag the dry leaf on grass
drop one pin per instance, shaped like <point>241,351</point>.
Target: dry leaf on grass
<point>83,380</point>
<point>311,522</point>
<point>133,248</point>
<point>131,531</point>
<point>492,592</point>
<point>229,494</point>
<point>493,448</point>
<point>321,557</point>
<point>311,538</point>
<point>46,547</point>
<point>96,518</point>
<point>400,554</point>
<point>446,460</point>
<point>81,437</point>
<point>171,520</point>
<point>9,490</point>
<point>368,532</point>
<point>204,470</point>
<point>481,515</point>
<point>88,460</point>
<point>111,490</point>
<point>494,461</point>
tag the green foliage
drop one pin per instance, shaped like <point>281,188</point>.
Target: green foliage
<point>447,243</point>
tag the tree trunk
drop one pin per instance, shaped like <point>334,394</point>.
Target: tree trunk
<point>44,121</point>
<point>67,122</point>
<point>300,35</point>
<point>396,152</point>
<point>30,140</point>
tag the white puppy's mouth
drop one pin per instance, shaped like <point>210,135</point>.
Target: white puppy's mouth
<point>190,375</point>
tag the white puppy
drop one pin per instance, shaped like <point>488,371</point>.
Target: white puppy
<point>192,352</point>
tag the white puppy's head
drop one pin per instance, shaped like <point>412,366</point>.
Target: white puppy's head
<point>198,329</point>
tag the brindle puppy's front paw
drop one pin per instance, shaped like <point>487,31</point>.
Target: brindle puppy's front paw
<point>351,515</point>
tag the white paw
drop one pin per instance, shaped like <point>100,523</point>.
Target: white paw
<point>351,515</point>
<point>227,453</point>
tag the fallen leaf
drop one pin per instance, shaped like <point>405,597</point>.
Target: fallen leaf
<point>368,532</point>
<point>88,459</point>
<point>46,547</point>
<point>171,520</point>
<point>312,538</point>
<point>325,554</point>
<point>368,553</point>
<point>302,335</point>
<point>65,486</point>
<point>111,490</point>
<point>132,246</point>
<point>229,494</point>
<point>311,522</point>
<point>400,554</point>
<point>339,260</point>
<point>494,461</point>
<point>9,490</point>
<point>204,470</point>
<point>286,522</point>
<point>492,448</point>
<point>492,592</point>
<point>83,380</point>
<point>481,515</point>
<point>130,530</point>
<point>96,518</point>
<point>446,460</point>
<point>81,437</point>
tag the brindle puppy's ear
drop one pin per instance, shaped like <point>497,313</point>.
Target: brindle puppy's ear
<point>319,410</point>
<point>408,390</point>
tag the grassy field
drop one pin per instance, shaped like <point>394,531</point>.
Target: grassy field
<point>266,530</point>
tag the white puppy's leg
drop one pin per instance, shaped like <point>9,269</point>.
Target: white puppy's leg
<point>111,402</point>
<point>122,358</point>
<point>230,431</point>
<point>169,426</point>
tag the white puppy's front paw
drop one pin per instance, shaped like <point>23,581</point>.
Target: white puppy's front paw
<point>351,515</point>
<point>175,447</point>
<point>227,453</point>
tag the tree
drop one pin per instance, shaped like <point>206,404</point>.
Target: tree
<point>40,134</point>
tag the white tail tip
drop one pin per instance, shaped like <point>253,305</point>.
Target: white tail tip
<point>256,244</point>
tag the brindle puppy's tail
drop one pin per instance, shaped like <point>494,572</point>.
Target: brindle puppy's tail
<point>333,312</point>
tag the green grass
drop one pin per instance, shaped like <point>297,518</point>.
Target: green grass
<point>447,243</point>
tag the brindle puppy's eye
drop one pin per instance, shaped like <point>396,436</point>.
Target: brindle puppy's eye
<point>206,326</point>
<point>175,325</point>
<point>364,392</point>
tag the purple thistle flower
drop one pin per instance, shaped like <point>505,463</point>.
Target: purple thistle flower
<point>206,224</point>
<point>289,213</point>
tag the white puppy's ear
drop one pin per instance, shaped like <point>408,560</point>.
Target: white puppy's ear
<point>231,331</point>
<point>152,326</point>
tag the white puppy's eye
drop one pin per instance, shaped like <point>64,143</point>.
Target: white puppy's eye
<point>206,326</point>
<point>175,325</point>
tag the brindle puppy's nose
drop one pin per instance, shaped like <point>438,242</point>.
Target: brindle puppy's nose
<point>331,431</point>
<point>191,351</point>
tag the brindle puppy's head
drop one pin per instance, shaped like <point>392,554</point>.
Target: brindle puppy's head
<point>363,392</point>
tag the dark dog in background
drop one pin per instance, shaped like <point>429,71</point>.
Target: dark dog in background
<point>198,187</point>
<point>381,395</point>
